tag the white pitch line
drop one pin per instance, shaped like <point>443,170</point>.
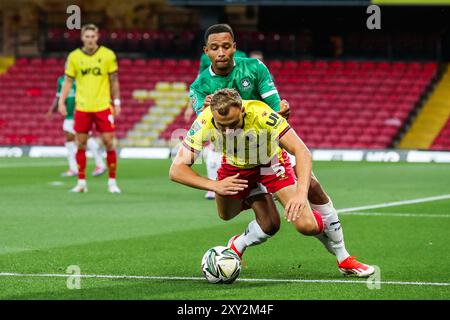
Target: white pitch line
<point>395,203</point>
<point>101,276</point>
<point>386,214</point>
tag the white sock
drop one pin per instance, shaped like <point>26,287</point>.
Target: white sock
<point>213,160</point>
<point>71,155</point>
<point>82,182</point>
<point>95,149</point>
<point>253,235</point>
<point>111,181</point>
<point>333,239</point>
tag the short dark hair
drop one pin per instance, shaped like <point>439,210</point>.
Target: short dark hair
<point>223,99</point>
<point>218,28</point>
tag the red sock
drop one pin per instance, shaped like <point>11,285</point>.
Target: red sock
<point>81,162</point>
<point>111,160</point>
<point>319,220</point>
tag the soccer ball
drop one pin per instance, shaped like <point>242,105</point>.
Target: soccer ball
<point>221,265</point>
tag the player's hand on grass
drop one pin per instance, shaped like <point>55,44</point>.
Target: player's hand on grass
<point>295,206</point>
<point>62,108</point>
<point>230,186</point>
<point>285,110</point>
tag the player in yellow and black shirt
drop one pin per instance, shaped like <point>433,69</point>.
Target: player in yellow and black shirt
<point>252,138</point>
<point>95,70</point>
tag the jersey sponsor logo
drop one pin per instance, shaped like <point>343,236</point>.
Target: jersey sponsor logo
<point>246,84</point>
<point>95,71</point>
<point>194,128</point>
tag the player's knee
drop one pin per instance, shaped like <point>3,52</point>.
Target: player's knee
<point>81,145</point>
<point>271,228</point>
<point>307,228</point>
<point>225,216</point>
<point>316,194</point>
<point>269,224</point>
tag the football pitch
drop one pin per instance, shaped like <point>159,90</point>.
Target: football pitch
<point>147,243</point>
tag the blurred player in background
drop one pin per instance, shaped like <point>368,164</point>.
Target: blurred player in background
<point>256,54</point>
<point>95,70</point>
<point>251,78</point>
<point>69,134</point>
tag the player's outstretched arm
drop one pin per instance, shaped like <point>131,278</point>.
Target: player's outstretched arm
<point>294,145</point>
<point>67,84</point>
<point>52,108</point>
<point>115,92</point>
<point>181,172</point>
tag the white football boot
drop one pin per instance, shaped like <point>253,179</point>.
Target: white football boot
<point>80,187</point>
<point>112,186</point>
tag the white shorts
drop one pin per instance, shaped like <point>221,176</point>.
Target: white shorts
<point>68,126</point>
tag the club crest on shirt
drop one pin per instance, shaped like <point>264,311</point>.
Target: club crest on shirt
<point>246,84</point>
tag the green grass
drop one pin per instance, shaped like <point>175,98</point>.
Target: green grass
<point>159,228</point>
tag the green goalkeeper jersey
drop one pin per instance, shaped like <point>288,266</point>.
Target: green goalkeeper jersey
<point>70,100</point>
<point>250,77</point>
<point>205,62</point>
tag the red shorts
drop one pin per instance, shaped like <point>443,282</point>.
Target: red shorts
<point>274,176</point>
<point>104,121</point>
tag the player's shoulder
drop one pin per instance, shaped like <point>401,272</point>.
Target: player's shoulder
<point>253,62</point>
<point>202,122</point>
<point>106,51</point>
<point>74,54</point>
<point>205,116</point>
<point>202,80</point>
<point>60,79</point>
<point>256,106</point>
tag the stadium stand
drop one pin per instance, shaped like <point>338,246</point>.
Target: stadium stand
<point>336,104</point>
<point>425,131</point>
<point>346,104</point>
<point>442,141</point>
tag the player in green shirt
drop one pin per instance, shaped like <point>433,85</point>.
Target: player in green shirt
<point>69,134</point>
<point>251,78</point>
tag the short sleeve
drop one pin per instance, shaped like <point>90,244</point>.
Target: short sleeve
<point>112,63</point>
<point>70,69</point>
<point>194,138</point>
<point>266,87</point>
<point>275,124</point>
<point>58,87</point>
<point>196,96</point>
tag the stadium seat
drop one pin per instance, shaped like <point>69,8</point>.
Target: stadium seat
<point>335,104</point>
